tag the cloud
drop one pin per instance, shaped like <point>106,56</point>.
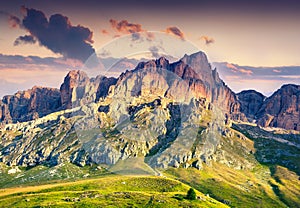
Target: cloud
<point>208,40</point>
<point>135,36</point>
<point>150,36</point>
<point>105,32</point>
<point>154,51</point>
<point>59,35</point>
<point>231,66</point>
<point>246,71</point>
<point>175,31</point>
<point>104,53</point>
<point>125,27</point>
<point>14,21</point>
<point>235,69</point>
<point>24,39</point>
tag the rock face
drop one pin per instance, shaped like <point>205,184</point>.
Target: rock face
<point>199,78</point>
<point>251,102</point>
<point>73,87</point>
<point>78,89</point>
<point>29,104</point>
<point>282,109</point>
<point>172,114</point>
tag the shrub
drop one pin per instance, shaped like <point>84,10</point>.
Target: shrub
<point>191,194</point>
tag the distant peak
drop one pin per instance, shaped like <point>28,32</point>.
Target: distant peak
<point>290,86</point>
<point>250,92</point>
<point>162,62</point>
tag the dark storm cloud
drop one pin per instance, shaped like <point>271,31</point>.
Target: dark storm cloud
<point>59,35</point>
<point>208,40</point>
<point>175,31</point>
<point>24,39</point>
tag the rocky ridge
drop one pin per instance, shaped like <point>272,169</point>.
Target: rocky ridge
<point>170,114</point>
<point>282,109</point>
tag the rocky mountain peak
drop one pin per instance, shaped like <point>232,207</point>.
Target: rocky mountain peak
<point>251,101</point>
<point>162,62</point>
<point>74,79</point>
<point>29,104</point>
<point>198,61</point>
<point>282,109</point>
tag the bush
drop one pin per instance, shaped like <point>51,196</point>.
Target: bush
<point>191,194</point>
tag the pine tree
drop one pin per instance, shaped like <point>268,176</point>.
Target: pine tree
<point>191,194</point>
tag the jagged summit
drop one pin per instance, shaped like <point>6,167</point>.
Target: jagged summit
<point>199,79</point>
<point>282,108</point>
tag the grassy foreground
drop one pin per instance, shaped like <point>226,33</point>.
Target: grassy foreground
<point>109,191</point>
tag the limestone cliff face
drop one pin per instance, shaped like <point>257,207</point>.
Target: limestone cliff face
<point>29,104</point>
<point>172,114</point>
<point>78,89</point>
<point>191,75</point>
<point>73,87</point>
<point>251,102</point>
<point>282,109</point>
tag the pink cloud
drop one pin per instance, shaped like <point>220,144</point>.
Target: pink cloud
<point>276,70</point>
<point>208,40</point>
<point>246,71</point>
<point>175,31</point>
<point>231,66</point>
<point>105,32</point>
<point>13,21</point>
<point>125,27</point>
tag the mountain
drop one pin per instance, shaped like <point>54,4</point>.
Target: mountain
<point>159,118</point>
<point>251,102</point>
<point>263,78</point>
<point>37,102</point>
<point>279,110</point>
<point>282,109</point>
<point>29,104</point>
<point>78,89</point>
<point>158,102</point>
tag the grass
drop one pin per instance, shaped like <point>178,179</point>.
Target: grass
<point>44,175</point>
<point>110,191</point>
<point>238,188</point>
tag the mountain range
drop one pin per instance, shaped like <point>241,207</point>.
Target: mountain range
<point>281,109</point>
<point>158,116</point>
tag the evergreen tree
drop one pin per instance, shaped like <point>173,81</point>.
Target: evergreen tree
<point>191,194</point>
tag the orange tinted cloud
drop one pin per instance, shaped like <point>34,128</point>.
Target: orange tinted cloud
<point>208,40</point>
<point>175,31</point>
<point>231,66</point>
<point>125,27</point>
<point>105,32</point>
<point>236,69</point>
<point>246,71</point>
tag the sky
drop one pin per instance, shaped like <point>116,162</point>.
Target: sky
<point>41,40</point>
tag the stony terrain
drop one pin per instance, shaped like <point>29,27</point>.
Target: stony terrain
<point>157,116</point>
